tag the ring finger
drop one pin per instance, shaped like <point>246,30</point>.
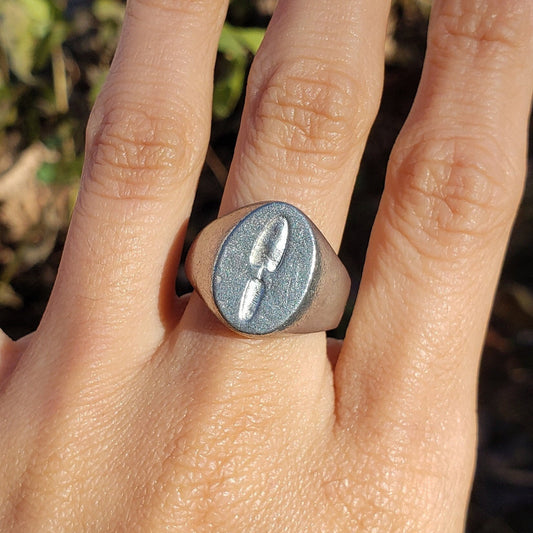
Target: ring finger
<point>313,92</point>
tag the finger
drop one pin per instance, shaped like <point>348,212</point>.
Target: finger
<point>146,142</point>
<point>312,96</point>
<point>452,190</point>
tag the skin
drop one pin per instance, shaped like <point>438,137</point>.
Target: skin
<point>130,410</point>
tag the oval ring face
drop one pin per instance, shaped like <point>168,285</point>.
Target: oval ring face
<point>264,271</point>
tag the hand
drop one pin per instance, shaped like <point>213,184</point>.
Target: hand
<point>130,410</point>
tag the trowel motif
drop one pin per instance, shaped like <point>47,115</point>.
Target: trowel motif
<point>266,254</point>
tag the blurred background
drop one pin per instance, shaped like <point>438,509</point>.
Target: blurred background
<point>54,57</point>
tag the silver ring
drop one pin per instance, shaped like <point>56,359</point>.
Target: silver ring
<point>266,268</point>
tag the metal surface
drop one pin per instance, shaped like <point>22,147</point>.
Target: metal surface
<point>263,274</point>
<point>266,268</point>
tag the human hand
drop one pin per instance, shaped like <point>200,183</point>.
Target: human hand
<point>131,410</point>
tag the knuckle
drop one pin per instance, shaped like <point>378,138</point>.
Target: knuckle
<point>207,477</point>
<point>449,194</point>
<point>217,460</point>
<point>490,27</point>
<point>133,153</point>
<point>48,464</point>
<point>300,107</point>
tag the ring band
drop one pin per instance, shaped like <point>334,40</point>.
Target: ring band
<point>266,268</point>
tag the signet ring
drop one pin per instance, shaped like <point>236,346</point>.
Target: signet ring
<point>266,269</point>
